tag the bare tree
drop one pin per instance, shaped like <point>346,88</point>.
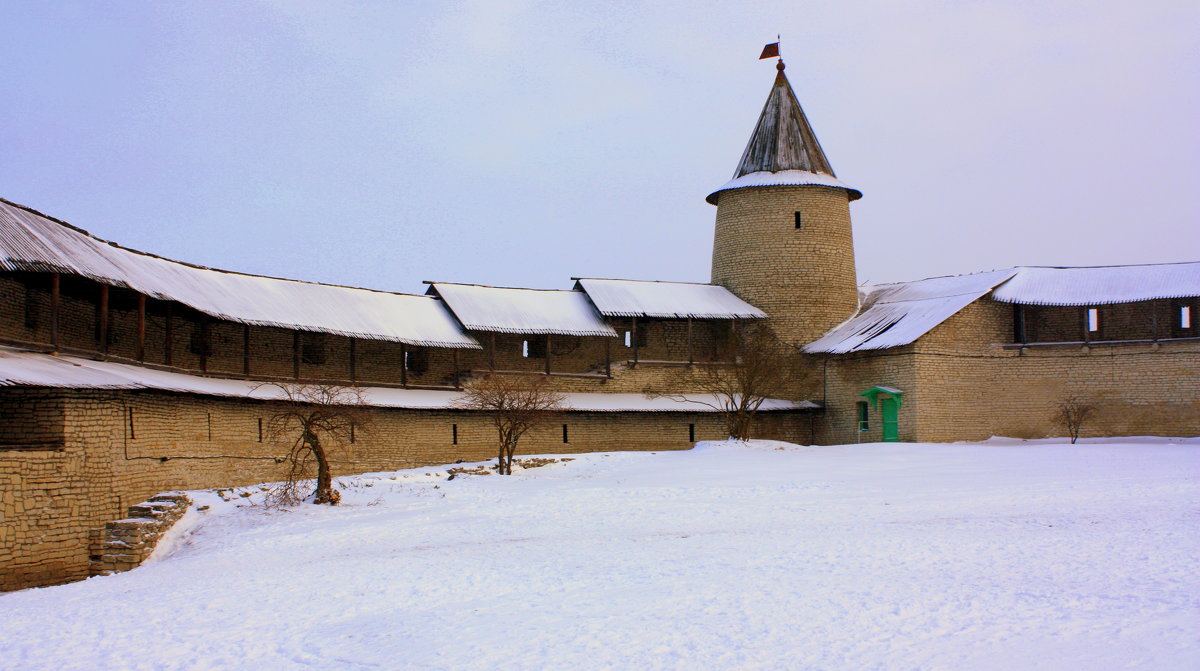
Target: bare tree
<point>313,420</point>
<point>516,404</point>
<point>753,365</point>
<point>1071,414</point>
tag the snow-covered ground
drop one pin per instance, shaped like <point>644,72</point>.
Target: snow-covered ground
<point>1000,555</point>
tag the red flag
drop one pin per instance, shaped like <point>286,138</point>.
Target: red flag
<point>770,51</point>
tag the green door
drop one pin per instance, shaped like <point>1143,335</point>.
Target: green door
<point>891,423</point>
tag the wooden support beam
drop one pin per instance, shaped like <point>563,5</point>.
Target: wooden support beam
<point>353,356</point>
<point>55,301</point>
<point>205,344</point>
<point>246,350</point>
<point>1154,319</point>
<point>169,335</point>
<point>633,340</point>
<point>1087,335</point>
<point>457,379</point>
<point>691,358</point>
<point>104,320</point>
<point>1019,329</point>
<point>296,354</point>
<point>141,327</point>
<point>608,357</point>
<point>491,352</point>
<point>547,354</point>
<point>403,365</point>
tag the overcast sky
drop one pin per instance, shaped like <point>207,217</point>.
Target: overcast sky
<point>522,143</point>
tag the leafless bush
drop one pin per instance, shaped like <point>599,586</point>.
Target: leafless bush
<point>313,420</point>
<point>1071,415</point>
<point>754,365</point>
<point>516,404</point>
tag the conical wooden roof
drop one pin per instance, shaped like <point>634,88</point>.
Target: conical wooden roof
<point>783,151</point>
<point>783,140</point>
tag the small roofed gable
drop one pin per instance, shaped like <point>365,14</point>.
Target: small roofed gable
<point>522,311</point>
<point>666,300</point>
<point>1100,285</point>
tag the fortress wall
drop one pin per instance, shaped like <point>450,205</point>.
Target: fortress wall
<point>89,454</point>
<point>960,383</point>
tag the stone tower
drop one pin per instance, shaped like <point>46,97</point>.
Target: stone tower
<point>783,240</point>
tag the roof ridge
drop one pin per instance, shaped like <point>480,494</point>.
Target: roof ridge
<point>492,286</point>
<point>1115,265</point>
<point>618,279</point>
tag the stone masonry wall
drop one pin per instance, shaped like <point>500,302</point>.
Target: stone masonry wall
<point>804,278</point>
<point>105,450</point>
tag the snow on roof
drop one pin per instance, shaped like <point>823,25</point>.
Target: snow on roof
<point>1101,284</point>
<point>897,314</point>
<point>24,368</point>
<point>783,178</point>
<point>30,241</point>
<point>672,300</point>
<point>505,310</point>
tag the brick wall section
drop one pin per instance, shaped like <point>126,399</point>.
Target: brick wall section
<point>120,447</point>
<point>960,383</point>
<point>803,278</point>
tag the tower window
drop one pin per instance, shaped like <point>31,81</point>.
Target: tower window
<point>798,222</point>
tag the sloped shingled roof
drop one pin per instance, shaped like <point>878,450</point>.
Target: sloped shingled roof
<point>670,300</point>
<point>1100,285</point>
<point>31,241</point>
<point>897,314</point>
<point>522,311</point>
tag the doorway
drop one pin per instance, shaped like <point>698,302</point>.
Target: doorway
<point>889,420</point>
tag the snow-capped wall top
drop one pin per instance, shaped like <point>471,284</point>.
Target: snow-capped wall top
<point>19,367</point>
<point>671,300</point>
<point>1101,284</point>
<point>30,241</point>
<point>531,311</point>
<point>897,314</point>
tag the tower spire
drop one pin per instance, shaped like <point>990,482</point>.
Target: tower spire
<point>783,138</point>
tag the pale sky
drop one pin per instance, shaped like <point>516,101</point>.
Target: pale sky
<point>380,144</point>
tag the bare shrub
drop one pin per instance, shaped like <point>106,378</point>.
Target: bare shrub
<point>753,365</point>
<point>312,421</point>
<point>1071,415</point>
<point>516,404</point>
